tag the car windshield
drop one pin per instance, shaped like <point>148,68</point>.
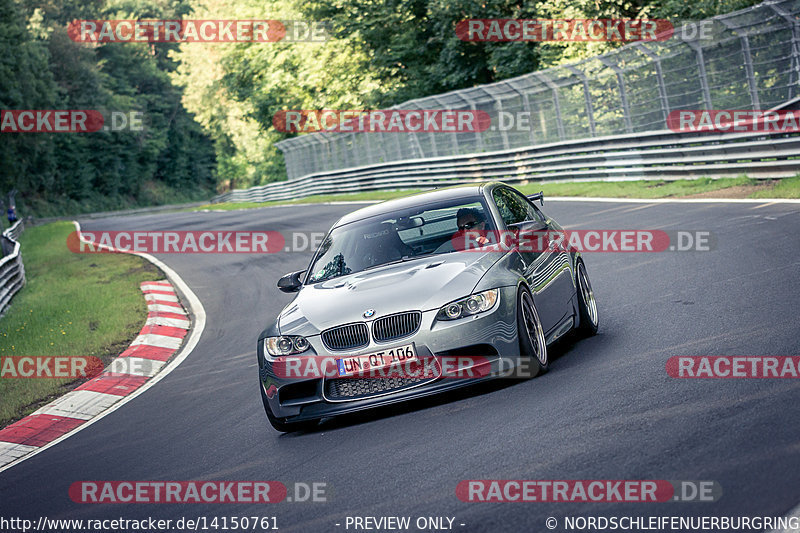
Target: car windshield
<point>401,236</point>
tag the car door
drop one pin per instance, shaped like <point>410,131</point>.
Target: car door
<point>547,270</point>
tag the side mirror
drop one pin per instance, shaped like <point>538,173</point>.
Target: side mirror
<point>291,282</point>
<point>538,196</point>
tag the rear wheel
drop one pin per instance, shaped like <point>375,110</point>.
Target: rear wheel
<point>532,343</point>
<point>587,306</point>
<point>279,423</point>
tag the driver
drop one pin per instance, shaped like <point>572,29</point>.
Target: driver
<point>470,220</point>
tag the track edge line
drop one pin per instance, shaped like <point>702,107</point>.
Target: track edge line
<point>198,314</point>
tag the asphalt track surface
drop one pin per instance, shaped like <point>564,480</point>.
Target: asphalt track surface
<point>606,409</point>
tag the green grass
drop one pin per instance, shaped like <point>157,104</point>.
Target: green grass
<point>648,189</point>
<point>785,188</point>
<point>72,304</point>
<point>637,189</point>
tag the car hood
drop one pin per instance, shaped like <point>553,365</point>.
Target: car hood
<point>420,284</point>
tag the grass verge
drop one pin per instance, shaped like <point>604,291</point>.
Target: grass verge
<point>741,187</point>
<point>785,188</point>
<point>72,304</point>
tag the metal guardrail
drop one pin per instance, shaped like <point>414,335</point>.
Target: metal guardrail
<point>12,271</point>
<point>747,59</point>
<point>603,118</point>
<point>651,155</point>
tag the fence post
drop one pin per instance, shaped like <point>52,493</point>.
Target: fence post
<point>662,91</point>
<point>683,77</point>
<point>587,98</point>
<point>701,69</point>
<point>556,103</point>
<point>503,133</point>
<point>795,25</point>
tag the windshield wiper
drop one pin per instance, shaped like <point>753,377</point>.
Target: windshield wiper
<point>383,264</point>
<point>412,257</point>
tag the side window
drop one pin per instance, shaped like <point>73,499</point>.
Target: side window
<point>512,208</point>
<point>531,213</point>
<point>539,215</point>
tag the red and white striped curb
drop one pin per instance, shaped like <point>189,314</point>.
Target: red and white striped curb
<point>163,333</point>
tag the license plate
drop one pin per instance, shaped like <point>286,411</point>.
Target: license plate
<point>357,364</point>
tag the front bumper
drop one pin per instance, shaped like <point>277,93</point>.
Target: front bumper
<point>489,338</point>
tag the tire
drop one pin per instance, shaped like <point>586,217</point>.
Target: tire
<point>587,305</point>
<point>279,423</point>
<point>532,343</point>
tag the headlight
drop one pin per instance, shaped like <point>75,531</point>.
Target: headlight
<point>285,345</point>
<point>471,305</point>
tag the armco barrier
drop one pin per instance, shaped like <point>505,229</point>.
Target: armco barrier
<point>12,271</point>
<point>602,118</point>
<point>652,155</point>
<point>746,59</point>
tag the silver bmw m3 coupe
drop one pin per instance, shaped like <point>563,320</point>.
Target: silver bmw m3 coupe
<point>419,295</point>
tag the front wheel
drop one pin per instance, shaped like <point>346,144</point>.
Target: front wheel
<point>531,336</point>
<point>587,306</point>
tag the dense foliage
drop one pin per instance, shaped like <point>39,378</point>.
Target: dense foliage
<point>170,159</point>
<point>381,53</point>
<point>208,108</point>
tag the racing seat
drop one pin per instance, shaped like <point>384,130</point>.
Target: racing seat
<point>385,245</point>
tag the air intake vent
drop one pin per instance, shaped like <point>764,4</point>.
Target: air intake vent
<point>397,326</point>
<point>354,388</point>
<point>346,337</point>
